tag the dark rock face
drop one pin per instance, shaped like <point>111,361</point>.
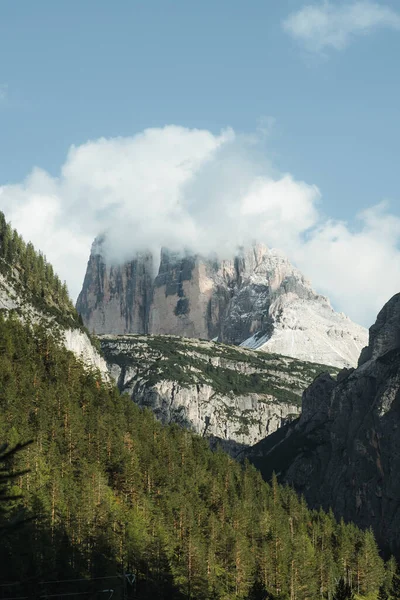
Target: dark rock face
<point>247,313</point>
<point>344,450</point>
<point>173,271</point>
<point>384,335</point>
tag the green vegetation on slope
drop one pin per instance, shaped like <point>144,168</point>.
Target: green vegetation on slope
<point>33,277</point>
<point>190,362</point>
<point>111,489</point>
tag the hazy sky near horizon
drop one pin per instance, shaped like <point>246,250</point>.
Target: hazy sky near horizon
<point>211,123</point>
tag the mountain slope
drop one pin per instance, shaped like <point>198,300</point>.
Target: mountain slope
<point>110,491</point>
<point>218,391</point>
<point>311,330</point>
<point>31,290</point>
<point>344,450</point>
<point>257,299</point>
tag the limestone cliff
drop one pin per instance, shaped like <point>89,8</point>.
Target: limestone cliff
<point>116,299</point>
<point>234,395</point>
<point>258,299</point>
<point>344,450</point>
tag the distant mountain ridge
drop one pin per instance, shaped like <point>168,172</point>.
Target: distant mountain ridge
<point>258,299</point>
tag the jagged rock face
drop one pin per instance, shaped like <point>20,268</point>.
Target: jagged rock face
<point>384,335</point>
<point>225,393</point>
<point>257,299</point>
<point>344,450</point>
<point>182,292</point>
<point>117,298</point>
<point>198,408</point>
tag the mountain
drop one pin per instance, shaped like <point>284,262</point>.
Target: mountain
<point>258,299</point>
<point>110,502</point>
<point>230,394</point>
<point>344,450</point>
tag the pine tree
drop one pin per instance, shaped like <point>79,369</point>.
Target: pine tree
<point>395,587</point>
<point>370,569</point>
<point>343,591</point>
<point>7,497</point>
<point>382,594</point>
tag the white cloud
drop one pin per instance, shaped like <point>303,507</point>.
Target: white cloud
<point>359,271</point>
<point>334,24</point>
<point>180,188</point>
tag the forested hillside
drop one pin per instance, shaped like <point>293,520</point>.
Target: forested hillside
<point>33,277</point>
<point>109,489</point>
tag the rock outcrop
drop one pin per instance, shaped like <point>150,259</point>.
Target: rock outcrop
<point>229,394</point>
<point>344,450</point>
<point>258,300</point>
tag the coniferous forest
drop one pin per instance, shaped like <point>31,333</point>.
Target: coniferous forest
<point>110,489</point>
<point>103,489</point>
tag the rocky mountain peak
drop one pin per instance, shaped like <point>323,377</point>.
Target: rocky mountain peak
<point>257,299</point>
<point>384,334</point>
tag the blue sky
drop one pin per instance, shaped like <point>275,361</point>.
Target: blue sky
<point>73,71</point>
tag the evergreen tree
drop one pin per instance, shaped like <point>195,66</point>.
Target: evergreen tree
<point>395,587</point>
<point>383,594</point>
<point>7,495</point>
<point>369,569</point>
<point>343,591</point>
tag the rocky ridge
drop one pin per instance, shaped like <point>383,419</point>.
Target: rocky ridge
<point>344,450</point>
<point>230,394</point>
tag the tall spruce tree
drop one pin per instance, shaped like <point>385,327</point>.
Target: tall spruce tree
<point>395,587</point>
<point>343,591</point>
<point>383,593</point>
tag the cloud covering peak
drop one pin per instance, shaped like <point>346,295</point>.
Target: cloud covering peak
<point>192,189</point>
